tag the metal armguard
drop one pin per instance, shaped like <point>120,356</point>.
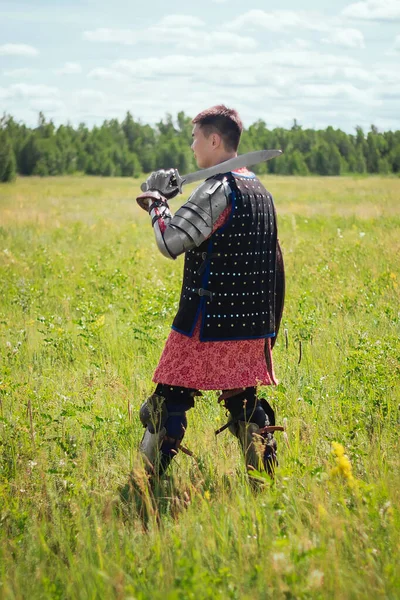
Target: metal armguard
<point>194,221</point>
<point>158,212</point>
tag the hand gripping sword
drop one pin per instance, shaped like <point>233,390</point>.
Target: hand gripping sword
<point>238,162</point>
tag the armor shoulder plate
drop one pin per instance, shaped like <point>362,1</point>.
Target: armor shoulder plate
<point>196,218</point>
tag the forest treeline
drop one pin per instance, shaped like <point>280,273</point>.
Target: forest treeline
<point>129,148</point>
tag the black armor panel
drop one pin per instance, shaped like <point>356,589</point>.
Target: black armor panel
<point>230,278</point>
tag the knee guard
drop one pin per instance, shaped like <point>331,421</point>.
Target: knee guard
<point>253,423</point>
<point>164,416</point>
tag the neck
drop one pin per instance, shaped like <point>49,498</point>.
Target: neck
<point>223,157</point>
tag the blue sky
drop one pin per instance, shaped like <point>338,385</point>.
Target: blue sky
<point>328,63</point>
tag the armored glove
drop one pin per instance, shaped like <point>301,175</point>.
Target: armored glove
<point>163,182</point>
<point>161,185</point>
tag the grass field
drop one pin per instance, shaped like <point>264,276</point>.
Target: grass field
<point>86,305</point>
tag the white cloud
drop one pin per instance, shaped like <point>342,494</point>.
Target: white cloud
<point>46,105</point>
<point>18,91</point>
<point>277,21</point>
<point>291,83</point>
<point>300,43</point>
<point>337,91</point>
<point>181,21</point>
<point>114,36</point>
<point>389,75</point>
<point>173,26</point>
<point>107,74</point>
<point>183,37</point>
<point>301,78</point>
<point>349,38</point>
<point>393,92</point>
<point>397,43</point>
<point>263,65</point>
<point>294,45</point>
<point>361,75</point>
<point>23,72</point>
<point>91,95</point>
<point>18,50</point>
<point>278,96</point>
<point>379,10</point>
<point>217,39</point>
<point>70,68</point>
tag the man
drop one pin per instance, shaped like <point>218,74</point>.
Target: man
<point>231,299</point>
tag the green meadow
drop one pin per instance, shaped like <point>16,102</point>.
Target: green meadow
<point>86,303</point>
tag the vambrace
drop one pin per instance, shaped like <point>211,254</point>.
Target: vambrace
<point>160,218</point>
<point>193,222</point>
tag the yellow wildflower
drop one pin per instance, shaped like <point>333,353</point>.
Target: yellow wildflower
<point>100,321</point>
<point>343,465</point>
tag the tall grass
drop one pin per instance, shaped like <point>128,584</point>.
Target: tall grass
<point>86,304</point>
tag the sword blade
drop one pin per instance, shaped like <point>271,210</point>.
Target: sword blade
<point>238,162</point>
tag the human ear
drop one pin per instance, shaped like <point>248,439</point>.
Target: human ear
<point>216,140</point>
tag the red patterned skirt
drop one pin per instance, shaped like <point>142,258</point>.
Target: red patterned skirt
<point>188,362</point>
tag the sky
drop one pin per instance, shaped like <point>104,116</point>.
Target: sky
<point>330,62</point>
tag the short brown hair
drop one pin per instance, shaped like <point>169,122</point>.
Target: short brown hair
<point>222,120</point>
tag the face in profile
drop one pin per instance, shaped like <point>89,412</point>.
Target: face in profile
<point>203,148</point>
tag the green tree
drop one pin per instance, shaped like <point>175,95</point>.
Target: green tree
<point>325,159</point>
<point>376,151</point>
<point>395,159</point>
<point>130,147</point>
<point>131,166</point>
<point>283,165</point>
<point>297,163</point>
<point>7,159</point>
<point>384,166</point>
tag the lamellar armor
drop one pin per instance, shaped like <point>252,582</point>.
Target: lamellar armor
<point>234,277</point>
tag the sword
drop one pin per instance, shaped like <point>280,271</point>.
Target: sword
<point>238,162</point>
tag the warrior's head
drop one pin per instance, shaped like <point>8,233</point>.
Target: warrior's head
<point>216,135</point>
